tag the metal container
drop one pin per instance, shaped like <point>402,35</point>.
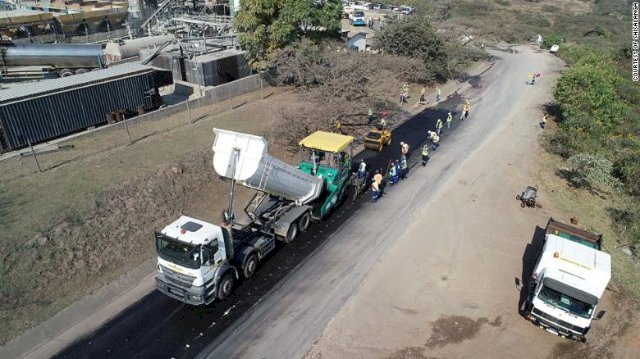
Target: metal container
<point>217,68</point>
<point>256,169</point>
<point>55,55</point>
<point>42,111</point>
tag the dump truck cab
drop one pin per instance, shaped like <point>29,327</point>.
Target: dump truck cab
<point>568,281</point>
<point>327,156</point>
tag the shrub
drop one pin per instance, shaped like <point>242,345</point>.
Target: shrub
<point>552,39</point>
<point>590,169</point>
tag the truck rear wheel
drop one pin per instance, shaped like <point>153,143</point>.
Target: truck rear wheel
<point>225,287</point>
<point>250,266</point>
<point>292,233</point>
<point>304,221</point>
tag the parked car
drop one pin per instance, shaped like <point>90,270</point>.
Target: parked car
<point>358,18</point>
<point>407,10</point>
<point>377,6</point>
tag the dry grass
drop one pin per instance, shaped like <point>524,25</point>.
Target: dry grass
<point>575,20</point>
<point>89,217</point>
<point>591,210</point>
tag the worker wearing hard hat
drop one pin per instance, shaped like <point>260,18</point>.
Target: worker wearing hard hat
<point>438,126</point>
<point>449,120</point>
<point>383,124</point>
<point>425,154</point>
<point>404,148</point>
<point>393,173</point>
<point>362,169</point>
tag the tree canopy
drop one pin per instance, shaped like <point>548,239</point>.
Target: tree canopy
<point>413,36</point>
<point>268,25</point>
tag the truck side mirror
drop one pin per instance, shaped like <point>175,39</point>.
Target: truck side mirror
<point>600,314</point>
<point>517,283</point>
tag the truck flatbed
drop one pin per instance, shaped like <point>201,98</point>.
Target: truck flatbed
<point>574,234</point>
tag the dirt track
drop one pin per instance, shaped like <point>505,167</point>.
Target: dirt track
<point>430,271</point>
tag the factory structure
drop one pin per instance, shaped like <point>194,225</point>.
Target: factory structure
<point>53,85</point>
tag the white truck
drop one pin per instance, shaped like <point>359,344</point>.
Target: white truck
<point>198,262</point>
<point>568,281</point>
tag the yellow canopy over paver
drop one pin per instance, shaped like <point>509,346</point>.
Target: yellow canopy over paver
<point>326,141</point>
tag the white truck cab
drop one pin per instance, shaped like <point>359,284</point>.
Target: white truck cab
<point>568,281</point>
<point>191,254</point>
<point>198,262</point>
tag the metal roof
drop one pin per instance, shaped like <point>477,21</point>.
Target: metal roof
<point>327,141</point>
<point>20,12</point>
<point>35,89</point>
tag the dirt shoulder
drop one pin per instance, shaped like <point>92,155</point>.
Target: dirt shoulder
<point>448,289</point>
<point>88,218</point>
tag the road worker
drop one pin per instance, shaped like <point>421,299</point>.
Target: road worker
<point>438,93</point>
<point>439,126</point>
<point>465,109</point>
<point>398,170</point>
<point>436,142</point>
<point>383,124</point>
<point>370,116</point>
<point>423,101</point>
<point>435,139</point>
<point>449,120</point>
<point>338,125</point>
<point>404,167</point>
<point>404,148</point>
<point>425,154</point>
<point>543,123</point>
<point>362,169</point>
<point>375,191</point>
<point>393,173</point>
<point>377,177</point>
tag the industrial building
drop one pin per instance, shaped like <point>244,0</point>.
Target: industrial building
<point>58,19</point>
<point>36,112</point>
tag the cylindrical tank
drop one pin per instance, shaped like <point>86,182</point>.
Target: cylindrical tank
<point>130,48</point>
<point>55,55</point>
<point>256,169</point>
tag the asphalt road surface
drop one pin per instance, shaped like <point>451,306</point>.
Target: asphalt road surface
<point>329,261</point>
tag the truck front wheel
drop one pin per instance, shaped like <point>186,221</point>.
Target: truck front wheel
<point>225,287</point>
<point>250,266</point>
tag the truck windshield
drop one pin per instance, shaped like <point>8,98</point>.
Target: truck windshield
<point>177,252</point>
<point>565,302</point>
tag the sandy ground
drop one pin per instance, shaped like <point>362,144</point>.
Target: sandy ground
<point>431,269</point>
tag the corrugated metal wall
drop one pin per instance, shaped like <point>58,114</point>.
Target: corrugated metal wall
<point>46,117</point>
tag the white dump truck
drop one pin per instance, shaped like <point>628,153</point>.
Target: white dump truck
<point>198,262</point>
<point>568,281</point>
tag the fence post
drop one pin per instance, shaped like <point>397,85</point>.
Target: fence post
<point>189,111</point>
<point>126,126</point>
<point>34,155</point>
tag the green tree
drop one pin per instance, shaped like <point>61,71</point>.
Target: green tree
<point>588,92</point>
<point>267,25</point>
<point>413,36</point>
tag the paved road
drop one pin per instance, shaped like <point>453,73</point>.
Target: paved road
<point>158,326</point>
